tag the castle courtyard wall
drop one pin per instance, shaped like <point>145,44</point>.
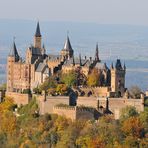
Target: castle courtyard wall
<point>115,105</point>
<point>68,112</point>
<point>19,98</point>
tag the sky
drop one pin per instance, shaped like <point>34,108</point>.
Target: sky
<point>132,12</point>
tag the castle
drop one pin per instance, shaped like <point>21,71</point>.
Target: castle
<point>109,95</point>
<point>24,75</point>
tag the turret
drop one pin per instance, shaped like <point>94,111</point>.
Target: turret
<point>14,53</point>
<point>37,37</point>
<point>67,51</point>
<point>13,57</point>
<point>118,78</point>
<point>43,50</point>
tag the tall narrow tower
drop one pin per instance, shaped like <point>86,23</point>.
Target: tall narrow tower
<point>97,54</point>
<point>12,58</point>
<point>38,37</point>
<point>118,78</point>
<point>67,52</point>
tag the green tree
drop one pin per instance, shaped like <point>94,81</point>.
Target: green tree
<point>69,78</point>
<point>93,78</point>
<point>50,82</point>
<point>128,112</point>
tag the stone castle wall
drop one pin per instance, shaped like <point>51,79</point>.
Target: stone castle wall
<point>98,91</point>
<point>75,113</point>
<point>68,112</point>
<point>19,99</point>
<point>115,105</point>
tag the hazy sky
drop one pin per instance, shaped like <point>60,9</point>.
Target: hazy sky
<point>99,11</point>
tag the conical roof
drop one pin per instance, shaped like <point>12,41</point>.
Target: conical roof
<point>118,64</point>
<point>14,52</point>
<point>67,45</point>
<point>38,33</point>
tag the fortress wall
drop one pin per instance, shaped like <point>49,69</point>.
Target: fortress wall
<point>68,112</point>
<point>99,91</point>
<point>19,99</point>
<point>83,114</point>
<point>117,104</point>
<point>87,101</point>
<point>47,106</point>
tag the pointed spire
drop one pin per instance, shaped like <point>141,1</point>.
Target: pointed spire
<point>112,66</point>
<point>67,45</point>
<point>118,65</point>
<point>38,33</point>
<point>97,53</point>
<point>124,67</point>
<point>43,46</point>
<point>14,52</point>
<point>73,60</point>
<point>105,66</point>
<point>80,59</point>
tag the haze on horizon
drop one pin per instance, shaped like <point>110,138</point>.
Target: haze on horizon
<point>133,12</point>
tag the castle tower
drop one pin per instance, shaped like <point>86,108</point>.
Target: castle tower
<point>12,58</point>
<point>37,37</point>
<point>118,78</point>
<point>67,52</point>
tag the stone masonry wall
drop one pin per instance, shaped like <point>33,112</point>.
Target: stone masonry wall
<point>19,99</point>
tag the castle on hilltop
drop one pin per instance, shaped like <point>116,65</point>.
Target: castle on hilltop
<point>29,73</point>
<point>110,95</point>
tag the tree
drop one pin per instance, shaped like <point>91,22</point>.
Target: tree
<point>62,89</point>
<point>128,112</point>
<point>93,78</point>
<point>133,127</point>
<point>69,78</point>
<point>37,90</point>
<point>50,82</point>
<point>135,92</point>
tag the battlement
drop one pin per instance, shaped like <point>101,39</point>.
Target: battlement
<point>77,108</point>
<point>74,112</point>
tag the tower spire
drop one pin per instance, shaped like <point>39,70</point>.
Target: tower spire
<point>97,54</point>
<point>38,33</point>
<point>14,52</point>
<point>73,60</point>
<point>37,37</point>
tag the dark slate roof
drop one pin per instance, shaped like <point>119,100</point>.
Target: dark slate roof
<point>67,45</point>
<point>14,52</point>
<point>42,67</point>
<point>46,71</point>
<point>38,33</point>
<point>35,51</point>
<point>54,57</point>
<point>118,65</point>
<point>76,61</point>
